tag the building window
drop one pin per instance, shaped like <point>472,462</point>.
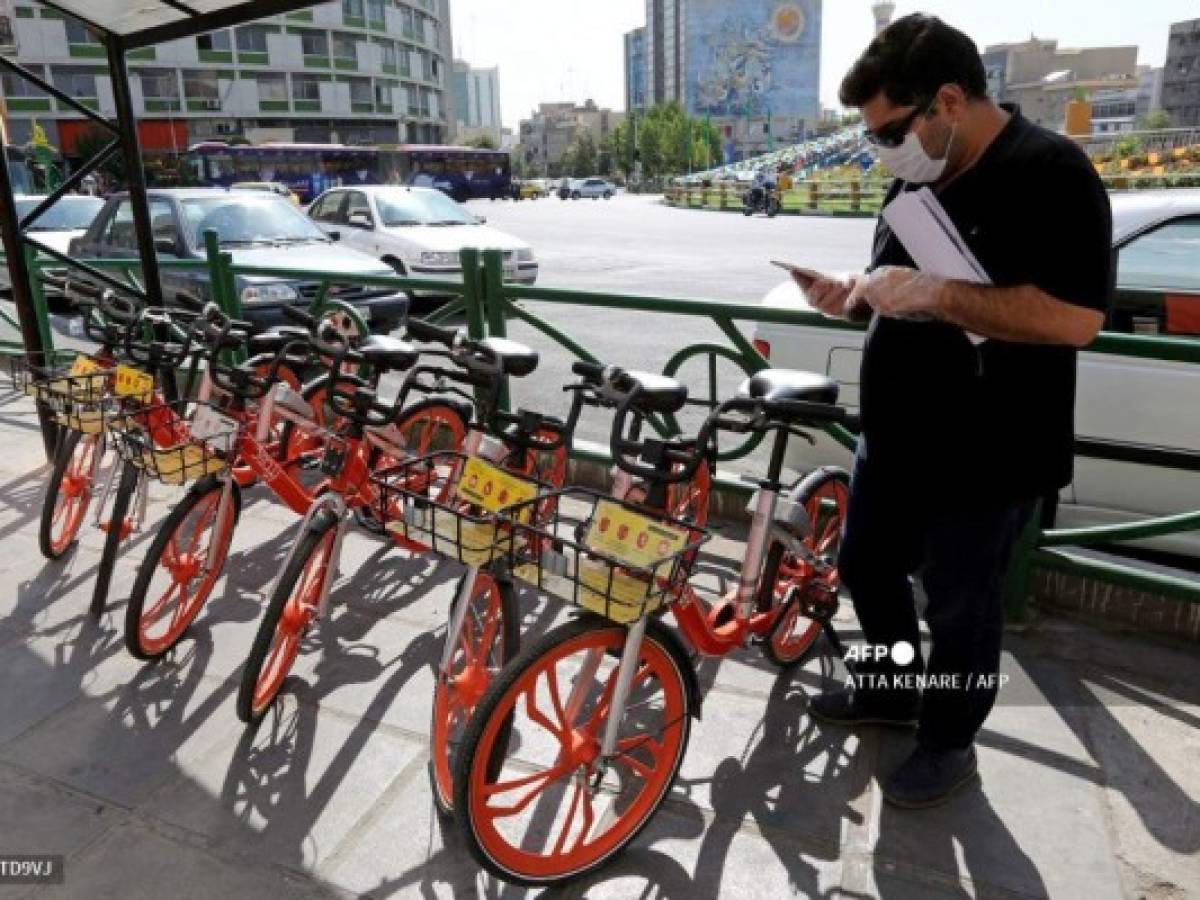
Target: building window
<point>375,16</point>
<point>77,82</point>
<point>314,43</point>
<point>252,39</point>
<point>388,51</point>
<point>383,94</point>
<point>306,87</point>
<point>345,48</point>
<point>16,86</point>
<point>216,40</point>
<point>77,34</point>
<point>353,9</point>
<point>159,84</point>
<point>201,85</point>
<point>405,63</point>
<point>272,87</point>
<point>407,22</point>
<point>360,90</point>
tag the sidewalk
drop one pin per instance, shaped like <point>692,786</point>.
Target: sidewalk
<point>145,779</point>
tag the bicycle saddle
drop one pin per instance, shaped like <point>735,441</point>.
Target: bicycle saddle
<point>515,359</point>
<point>385,352</point>
<point>777,385</point>
<point>658,393</point>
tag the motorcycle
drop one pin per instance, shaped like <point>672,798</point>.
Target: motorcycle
<point>762,199</point>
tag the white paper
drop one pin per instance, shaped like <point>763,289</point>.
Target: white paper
<point>922,225</point>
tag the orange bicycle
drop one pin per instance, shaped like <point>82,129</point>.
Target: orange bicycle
<point>578,740</point>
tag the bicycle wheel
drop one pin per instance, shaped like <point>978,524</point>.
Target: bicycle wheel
<point>180,569</point>
<point>825,494</point>
<point>491,634</point>
<point>545,828</point>
<point>68,492</point>
<point>117,529</point>
<point>292,609</point>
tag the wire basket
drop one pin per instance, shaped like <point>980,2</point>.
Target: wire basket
<point>76,394</point>
<point>601,554</point>
<point>175,443</point>
<point>436,503</point>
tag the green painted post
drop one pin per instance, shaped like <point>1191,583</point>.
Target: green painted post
<point>37,291</point>
<point>472,299</point>
<point>222,284</point>
<point>494,305</point>
<point>1019,583</point>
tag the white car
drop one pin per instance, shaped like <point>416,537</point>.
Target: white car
<point>419,232</point>
<point>595,188</point>
<point>1132,408</point>
<point>68,218</point>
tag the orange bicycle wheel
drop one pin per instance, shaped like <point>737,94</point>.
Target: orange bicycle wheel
<point>825,495</point>
<point>180,570</point>
<point>536,804</point>
<point>293,607</point>
<point>489,639</point>
<point>68,493</point>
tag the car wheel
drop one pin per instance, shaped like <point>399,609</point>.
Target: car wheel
<point>608,195</point>
<point>576,195</point>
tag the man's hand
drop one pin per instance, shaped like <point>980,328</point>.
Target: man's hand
<point>904,293</point>
<point>840,298</point>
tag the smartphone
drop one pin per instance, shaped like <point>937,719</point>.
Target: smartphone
<point>805,276</point>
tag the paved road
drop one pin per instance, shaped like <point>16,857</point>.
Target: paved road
<point>634,244</point>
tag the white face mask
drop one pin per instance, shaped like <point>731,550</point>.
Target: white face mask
<point>909,162</point>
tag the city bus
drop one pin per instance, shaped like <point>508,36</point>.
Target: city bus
<point>309,169</point>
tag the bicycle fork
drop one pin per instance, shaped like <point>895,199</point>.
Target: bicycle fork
<point>458,617</point>
<point>337,505</point>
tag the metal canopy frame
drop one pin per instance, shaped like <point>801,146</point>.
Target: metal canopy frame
<point>149,22</point>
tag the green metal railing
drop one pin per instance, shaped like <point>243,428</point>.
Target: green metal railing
<point>488,303</point>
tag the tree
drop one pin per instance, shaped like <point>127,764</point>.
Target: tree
<point>90,142</point>
<point>584,155</point>
<point>1154,121</point>
<point>483,142</point>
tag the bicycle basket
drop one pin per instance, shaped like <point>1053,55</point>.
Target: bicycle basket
<point>450,503</point>
<point>612,558</point>
<point>176,443</point>
<point>74,393</point>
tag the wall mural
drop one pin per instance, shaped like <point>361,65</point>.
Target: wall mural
<point>754,56</point>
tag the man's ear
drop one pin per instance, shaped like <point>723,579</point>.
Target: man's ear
<point>953,99</point>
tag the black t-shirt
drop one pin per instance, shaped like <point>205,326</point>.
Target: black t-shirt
<point>995,419</point>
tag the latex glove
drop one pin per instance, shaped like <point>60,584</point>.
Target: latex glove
<point>904,293</point>
<point>835,295</point>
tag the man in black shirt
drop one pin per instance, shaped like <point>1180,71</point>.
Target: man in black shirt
<point>968,391</point>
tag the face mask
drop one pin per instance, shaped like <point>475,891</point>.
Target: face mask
<point>909,162</point>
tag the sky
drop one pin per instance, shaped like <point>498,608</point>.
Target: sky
<point>550,50</point>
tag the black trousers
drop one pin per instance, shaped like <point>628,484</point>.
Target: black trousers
<point>961,547</point>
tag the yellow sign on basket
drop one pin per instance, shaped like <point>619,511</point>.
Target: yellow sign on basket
<point>635,540</point>
<point>494,489</point>
<point>84,365</point>
<point>631,538</point>
<point>135,385</point>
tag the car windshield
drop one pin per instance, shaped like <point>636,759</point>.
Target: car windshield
<point>248,219</point>
<point>68,214</point>
<point>401,207</point>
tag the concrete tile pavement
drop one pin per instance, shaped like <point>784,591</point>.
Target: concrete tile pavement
<point>145,779</point>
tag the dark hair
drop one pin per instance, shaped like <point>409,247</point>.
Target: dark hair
<point>910,59</point>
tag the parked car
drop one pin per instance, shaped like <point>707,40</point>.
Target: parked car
<point>1136,406</point>
<point>566,188</point>
<point>528,190</point>
<point>56,227</point>
<point>275,187</point>
<point>419,232</point>
<point>258,229</point>
<point>592,187</point>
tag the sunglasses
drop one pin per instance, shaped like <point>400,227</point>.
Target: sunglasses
<point>892,134</point>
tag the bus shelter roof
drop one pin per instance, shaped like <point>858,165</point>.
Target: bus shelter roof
<point>142,23</point>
